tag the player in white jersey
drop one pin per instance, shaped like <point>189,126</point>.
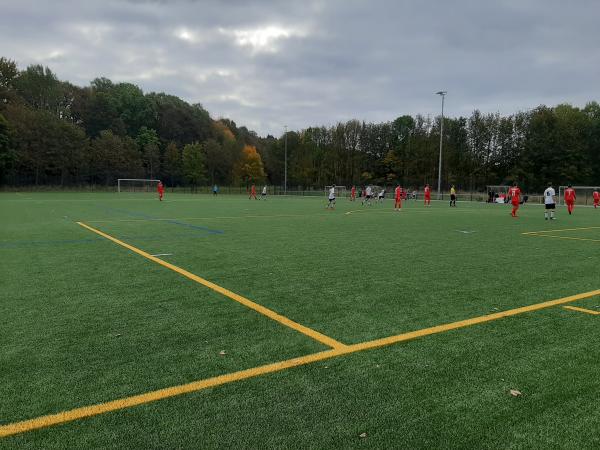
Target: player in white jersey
<point>263,194</point>
<point>549,202</point>
<point>381,196</point>
<point>331,203</point>
<point>368,196</point>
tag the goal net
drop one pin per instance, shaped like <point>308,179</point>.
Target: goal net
<point>136,185</point>
<point>497,193</point>
<point>584,194</point>
<point>340,191</point>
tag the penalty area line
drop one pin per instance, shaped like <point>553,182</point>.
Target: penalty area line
<point>330,342</point>
<point>195,386</point>
<point>562,229</point>
<point>568,238</point>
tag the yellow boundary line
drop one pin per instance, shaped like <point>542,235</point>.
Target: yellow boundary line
<point>583,310</point>
<point>195,386</point>
<point>227,293</point>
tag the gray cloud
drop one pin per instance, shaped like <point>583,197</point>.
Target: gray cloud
<point>265,64</point>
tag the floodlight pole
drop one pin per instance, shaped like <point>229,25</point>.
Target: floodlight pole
<point>439,190</point>
<point>285,164</point>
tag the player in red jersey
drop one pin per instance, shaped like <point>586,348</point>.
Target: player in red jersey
<point>427,195</point>
<point>515,193</point>
<point>161,190</point>
<point>570,199</point>
<point>596,196</point>
<point>398,198</point>
<point>252,192</point>
<point>353,194</point>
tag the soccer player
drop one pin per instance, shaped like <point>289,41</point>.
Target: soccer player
<point>331,197</point>
<point>515,193</point>
<point>252,192</point>
<point>215,189</point>
<point>452,196</point>
<point>549,202</point>
<point>161,190</point>
<point>381,196</point>
<point>570,199</point>
<point>427,195</point>
<point>398,198</point>
<point>596,196</point>
<point>353,194</point>
<point>368,196</point>
<point>263,194</point>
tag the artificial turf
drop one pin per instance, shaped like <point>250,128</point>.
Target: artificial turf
<point>85,321</point>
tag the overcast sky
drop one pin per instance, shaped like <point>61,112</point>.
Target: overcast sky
<point>266,64</point>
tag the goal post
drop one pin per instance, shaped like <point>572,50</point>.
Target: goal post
<point>340,191</point>
<point>584,194</point>
<point>497,193</point>
<point>136,185</point>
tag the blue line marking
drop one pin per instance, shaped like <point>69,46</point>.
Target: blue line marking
<point>26,243</point>
<point>174,222</point>
<point>16,244</point>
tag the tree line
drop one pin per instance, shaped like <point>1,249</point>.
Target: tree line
<point>55,133</point>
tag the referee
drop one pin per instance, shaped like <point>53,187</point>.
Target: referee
<point>452,196</point>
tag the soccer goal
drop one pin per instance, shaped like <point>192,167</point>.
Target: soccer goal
<point>136,185</point>
<point>497,193</point>
<point>340,191</point>
<point>584,194</point>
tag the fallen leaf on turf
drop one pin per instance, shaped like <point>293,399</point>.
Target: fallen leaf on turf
<point>515,393</point>
<point>362,435</point>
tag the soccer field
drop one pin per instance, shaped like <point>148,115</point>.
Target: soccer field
<point>279,324</point>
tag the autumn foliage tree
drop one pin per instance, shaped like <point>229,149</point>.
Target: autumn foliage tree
<point>250,167</point>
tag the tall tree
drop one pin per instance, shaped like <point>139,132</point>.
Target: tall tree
<point>250,167</point>
<point>8,156</point>
<point>172,164</point>
<point>194,170</point>
<point>112,157</point>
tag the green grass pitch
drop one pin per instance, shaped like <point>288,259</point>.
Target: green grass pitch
<point>84,321</point>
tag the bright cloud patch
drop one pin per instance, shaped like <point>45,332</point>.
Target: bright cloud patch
<point>262,39</point>
<point>187,35</point>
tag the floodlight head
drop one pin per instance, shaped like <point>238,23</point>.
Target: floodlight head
<point>441,93</point>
